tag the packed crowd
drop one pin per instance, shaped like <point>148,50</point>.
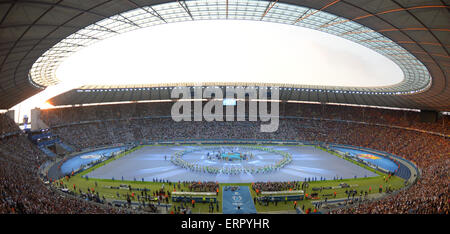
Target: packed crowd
<point>59,116</point>
<point>203,186</point>
<point>7,125</point>
<point>276,186</point>
<point>428,196</point>
<point>21,189</point>
<point>23,192</point>
<point>401,118</point>
<point>411,119</point>
<point>429,152</point>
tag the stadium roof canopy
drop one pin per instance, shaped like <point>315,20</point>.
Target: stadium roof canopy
<point>36,36</point>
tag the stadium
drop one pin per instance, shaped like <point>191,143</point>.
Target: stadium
<point>245,137</point>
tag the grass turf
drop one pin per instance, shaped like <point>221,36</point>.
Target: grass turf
<point>101,186</point>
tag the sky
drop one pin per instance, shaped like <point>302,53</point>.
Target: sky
<point>222,51</point>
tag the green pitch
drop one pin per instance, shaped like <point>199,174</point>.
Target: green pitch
<point>102,187</point>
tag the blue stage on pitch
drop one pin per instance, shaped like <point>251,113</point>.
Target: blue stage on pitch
<point>232,156</point>
<point>85,158</point>
<point>372,158</point>
<point>237,201</point>
<point>152,162</point>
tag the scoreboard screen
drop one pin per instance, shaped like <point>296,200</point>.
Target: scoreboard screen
<point>229,102</point>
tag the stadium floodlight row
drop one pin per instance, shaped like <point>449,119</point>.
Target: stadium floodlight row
<point>100,94</point>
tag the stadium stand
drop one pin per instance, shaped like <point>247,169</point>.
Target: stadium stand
<point>406,119</point>
<point>37,36</point>
<point>85,127</point>
<point>7,125</point>
<point>22,189</point>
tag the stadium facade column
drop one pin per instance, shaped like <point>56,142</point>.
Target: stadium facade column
<point>36,121</point>
<point>11,114</point>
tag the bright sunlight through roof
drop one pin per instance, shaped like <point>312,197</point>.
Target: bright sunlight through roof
<point>229,51</point>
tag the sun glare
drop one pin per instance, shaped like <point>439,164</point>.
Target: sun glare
<point>222,51</point>
<point>229,51</point>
